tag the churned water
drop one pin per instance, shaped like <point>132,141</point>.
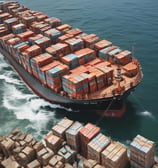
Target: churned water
<point>126,23</point>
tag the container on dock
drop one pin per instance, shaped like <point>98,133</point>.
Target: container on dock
<point>74,44</point>
<point>124,57</point>
<point>53,142</point>
<point>67,153</point>
<point>39,61</point>
<point>64,27</point>
<point>96,146</point>
<point>58,50</point>
<point>33,164</point>
<point>60,129</point>
<point>56,161</point>
<point>72,136</point>
<point>44,156</point>
<point>142,152</point>
<point>86,134</point>
<point>54,22</point>
<point>115,156</point>
<point>19,28</point>
<point>71,60</point>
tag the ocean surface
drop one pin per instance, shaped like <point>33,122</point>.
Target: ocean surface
<point>127,24</point>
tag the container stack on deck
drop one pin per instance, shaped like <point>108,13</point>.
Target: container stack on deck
<point>142,152</point>
<point>22,29</point>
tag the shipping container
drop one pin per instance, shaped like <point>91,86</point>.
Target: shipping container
<point>19,28</point>
<point>26,35</point>
<point>58,50</point>
<point>114,156</point>
<point>96,146</point>
<point>54,22</point>
<point>72,136</point>
<point>86,134</point>
<point>63,28</point>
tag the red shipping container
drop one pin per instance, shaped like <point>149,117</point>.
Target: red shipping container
<point>74,32</point>
<point>41,17</point>
<point>64,37</point>
<point>25,36</point>
<point>102,44</point>
<point>33,51</point>
<point>86,134</point>
<point>63,28</point>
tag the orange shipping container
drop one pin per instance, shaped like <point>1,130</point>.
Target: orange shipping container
<point>25,36</point>
<point>64,37</point>
<point>63,28</point>
<point>33,51</point>
<point>131,69</point>
<point>74,32</point>
<point>102,44</point>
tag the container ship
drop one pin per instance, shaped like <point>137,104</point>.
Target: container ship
<point>64,65</point>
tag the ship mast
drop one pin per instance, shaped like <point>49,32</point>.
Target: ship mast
<point>118,78</point>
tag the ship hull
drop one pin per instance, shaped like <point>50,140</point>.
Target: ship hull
<point>113,106</point>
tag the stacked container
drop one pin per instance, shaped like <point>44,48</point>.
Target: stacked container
<point>74,44</point>
<point>130,69</point>
<point>58,50</point>
<point>17,49</point>
<point>74,32</point>
<point>34,38</point>
<point>71,60</point>
<point>41,17</point>
<point>39,27</point>
<point>142,152</point>
<point>96,146</point>
<point>102,44</point>
<point>114,156</point>
<point>87,133</point>
<point>63,28</point>
<point>54,22</point>
<point>11,42</point>
<point>4,16</point>
<point>42,71</point>
<point>3,30</point>
<point>85,55</point>
<point>53,142</point>
<point>53,76</point>
<point>108,72</point>
<point>90,40</point>
<point>60,129</point>
<point>27,20</point>
<point>43,43</point>
<point>26,35</point>
<point>10,22</point>
<point>64,37</point>
<point>72,136</point>
<point>39,61</point>
<point>123,57</point>
<point>104,52</point>
<point>30,53</point>
<point>75,85</point>
<point>53,34</point>
<point>19,28</point>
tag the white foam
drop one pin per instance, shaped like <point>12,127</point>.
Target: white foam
<point>29,107</point>
<point>146,114</point>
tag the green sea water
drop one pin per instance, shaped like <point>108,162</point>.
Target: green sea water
<point>125,23</point>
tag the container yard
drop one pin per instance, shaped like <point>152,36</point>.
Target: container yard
<point>71,145</point>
